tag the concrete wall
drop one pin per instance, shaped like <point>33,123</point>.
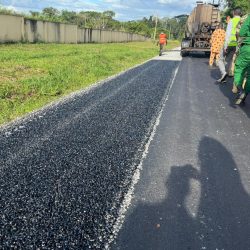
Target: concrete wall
<point>106,36</point>
<point>18,29</point>
<point>11,28</point>
<point>71,33</point>
<point>49,32</point>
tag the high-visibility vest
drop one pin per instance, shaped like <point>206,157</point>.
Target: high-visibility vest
<point>162,38</point>
<point>233,40</point>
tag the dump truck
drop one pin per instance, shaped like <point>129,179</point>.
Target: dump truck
<point>199,27</point>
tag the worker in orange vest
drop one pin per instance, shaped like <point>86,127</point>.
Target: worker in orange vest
<point>162,42</point>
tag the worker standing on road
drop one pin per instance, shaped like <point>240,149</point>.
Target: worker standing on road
<point>229,46</point>
<point>242,65</point>
<point>162,42</point>
<point>217,42</point>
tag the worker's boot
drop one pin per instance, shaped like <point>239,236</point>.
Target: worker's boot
<point>223,78</point>
<point>240,99</point>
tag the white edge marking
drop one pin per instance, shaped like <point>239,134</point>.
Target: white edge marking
<point>129,195</point>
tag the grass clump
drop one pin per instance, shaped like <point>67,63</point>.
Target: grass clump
<point>32,75</point>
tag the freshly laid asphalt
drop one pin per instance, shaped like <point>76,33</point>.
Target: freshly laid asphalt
<point>66,170</point>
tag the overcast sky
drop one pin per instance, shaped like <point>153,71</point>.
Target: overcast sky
<point>124,9</point>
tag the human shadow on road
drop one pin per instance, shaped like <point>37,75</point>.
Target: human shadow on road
<point>223,217</point>
<point>215,73</point>
<point>226,90</point>
<point>224,205</point>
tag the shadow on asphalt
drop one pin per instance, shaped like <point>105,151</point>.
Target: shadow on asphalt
<point>198,55</point>
<point>223,217</point>
<point>226,89</point>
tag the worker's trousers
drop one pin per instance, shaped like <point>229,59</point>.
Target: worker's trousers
<point>212,57</point>
<point>162,46</point>
<point>242,68</point>
<point>225,62</point>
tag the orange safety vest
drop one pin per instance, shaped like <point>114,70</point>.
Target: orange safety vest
<point>162,38</point>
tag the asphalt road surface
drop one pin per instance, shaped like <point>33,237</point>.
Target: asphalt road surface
<point>67,170</point>
<point>194,190</point>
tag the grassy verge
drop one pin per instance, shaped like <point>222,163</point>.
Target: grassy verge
<point>32,75</point>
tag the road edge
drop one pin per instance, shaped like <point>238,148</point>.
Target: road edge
<point>118,223</point>
<point>64,99</point>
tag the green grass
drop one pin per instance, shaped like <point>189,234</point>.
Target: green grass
<point>32,75</point>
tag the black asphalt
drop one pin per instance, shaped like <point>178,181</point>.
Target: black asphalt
<point>65,170</point>
<point>194,190</point>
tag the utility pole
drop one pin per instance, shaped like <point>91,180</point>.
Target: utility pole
<point>168,27</point>
<point>156,23</point>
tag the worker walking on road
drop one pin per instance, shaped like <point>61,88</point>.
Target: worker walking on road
<point>217,42</point>
<point>229,46</point>
<point>162,42</point>
<point>242,65</point>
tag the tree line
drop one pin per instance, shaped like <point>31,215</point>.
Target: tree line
<point>148,26</point>
<point>174,27</point>
<point>232,4</point>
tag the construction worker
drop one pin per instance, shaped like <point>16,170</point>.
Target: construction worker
<point>229,46</point>
<point>242,65</point>
<point>217,42</point>
<point>162,42</point>
<point>239,40</point>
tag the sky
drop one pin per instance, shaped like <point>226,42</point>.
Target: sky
<point>125,9</point>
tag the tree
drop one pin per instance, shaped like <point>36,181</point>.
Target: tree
<point>35,13</point>
<point>51,13</point>
<point>107,18</point>
<point>108,14</point>
<point>93,19</point>
<point>69,16</point>
<point>81,20</point>
<point>7,11</point>
<point>139,27</point>
<point>231,4</point>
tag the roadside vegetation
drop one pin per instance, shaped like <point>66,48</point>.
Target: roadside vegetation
<point>232,4</point>
<point>32,75</point>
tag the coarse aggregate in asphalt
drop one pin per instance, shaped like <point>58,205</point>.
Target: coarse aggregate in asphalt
<point>65,170</point>
<point>194,189</point>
